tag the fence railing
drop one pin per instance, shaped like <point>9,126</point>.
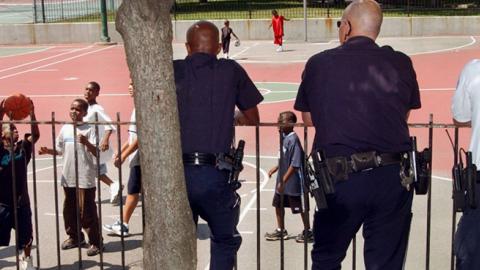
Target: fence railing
<point>46,247</point>
<point>48,11</point>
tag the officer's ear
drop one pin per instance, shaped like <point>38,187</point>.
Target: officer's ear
<point>189,50</point>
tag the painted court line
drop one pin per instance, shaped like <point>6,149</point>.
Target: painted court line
<point>244,50</point>
<point>472,41</point>
<point>56,62</point>
<point>46,58</point>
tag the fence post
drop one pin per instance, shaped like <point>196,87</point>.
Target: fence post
<point>43,11</point>
<point>103,10</point>
<point>305,18</point>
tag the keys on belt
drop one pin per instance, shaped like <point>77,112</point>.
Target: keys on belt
<point>199,159</point>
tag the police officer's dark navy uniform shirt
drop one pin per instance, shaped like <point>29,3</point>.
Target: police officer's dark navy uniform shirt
<point>359,95</point>
<point>292,156</point>
<point>23,154</point>
<point>207,91</point>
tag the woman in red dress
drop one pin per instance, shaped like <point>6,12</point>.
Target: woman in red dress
<point>277,24</point>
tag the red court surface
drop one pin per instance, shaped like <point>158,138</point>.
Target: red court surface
<point>54,75</point>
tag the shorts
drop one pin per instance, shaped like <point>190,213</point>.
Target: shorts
<point>226,45</point>
<point>135,181</point>
<point>7,223</point>
<point>278,40</point>
<point>103,169</point>
<point>294,202</point>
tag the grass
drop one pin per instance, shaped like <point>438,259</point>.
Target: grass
<point>261,9</point>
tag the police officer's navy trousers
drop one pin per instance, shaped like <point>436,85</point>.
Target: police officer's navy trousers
<point>213,200</point>
<point>467,237</point>
<point>376,200</point>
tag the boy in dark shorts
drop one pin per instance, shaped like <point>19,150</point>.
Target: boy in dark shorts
<point>226,36</point>
<point>23,154</point>
<point>289,180</point>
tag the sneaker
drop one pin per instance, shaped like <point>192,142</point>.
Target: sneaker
<point>301,237</point>
<point>279,49</point>
<point>71,243</point>
<point>276,235</point>
<point>26,263</point>
<point>93,250</point>
<point>117,228</point>
<point>114,193</point>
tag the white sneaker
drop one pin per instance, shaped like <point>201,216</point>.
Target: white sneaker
<point>279,49</point>
<point>26,263</point>
<point>114,193</point>
<point>117,228</point>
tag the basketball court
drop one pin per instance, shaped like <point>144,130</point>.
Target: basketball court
<point>54,75</point>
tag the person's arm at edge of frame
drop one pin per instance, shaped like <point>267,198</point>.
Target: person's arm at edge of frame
<point>33,138</point>
<point>127,150</point>
<point>307,119</point>
<point>247,117</point>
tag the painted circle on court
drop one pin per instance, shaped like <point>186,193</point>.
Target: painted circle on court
<point>277,91</point>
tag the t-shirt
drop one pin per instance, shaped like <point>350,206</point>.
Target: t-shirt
<point>208,89</point>
<point>134,158</point>
<point>105,156</point>
<point>359,95</point>
<point>87,170</point>
<point>226,33</point>
<point>277,25</point>
<point>466,104</point>
<point>292,156</point>
<point>23,154</point>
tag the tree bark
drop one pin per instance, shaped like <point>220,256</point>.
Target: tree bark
<point>169,240</point>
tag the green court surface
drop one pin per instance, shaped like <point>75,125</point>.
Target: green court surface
<point>277,91</point>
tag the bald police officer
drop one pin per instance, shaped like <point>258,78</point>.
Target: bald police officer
<point>208,89</point>
<point>358,96</point>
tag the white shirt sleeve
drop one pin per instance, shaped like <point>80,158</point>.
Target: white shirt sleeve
<point>461,101</point>
<point>104,117</point>
<point>60,144</point>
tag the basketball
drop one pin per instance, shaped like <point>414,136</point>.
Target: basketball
<point>18,106</point>
<point>237,43</point>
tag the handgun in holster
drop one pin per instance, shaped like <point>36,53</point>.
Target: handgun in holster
<point>232,162</point>
<point>318,180</point>
<point>464,182</point>
<point>416,168</point>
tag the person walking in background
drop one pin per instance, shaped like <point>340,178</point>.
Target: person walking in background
<point>289,180</point>
<point>227,32</point>
<point>129,151</point>
<point>86,153</point>
<point>92,90</point>
<point>466,112</point>
<point>278,32</point>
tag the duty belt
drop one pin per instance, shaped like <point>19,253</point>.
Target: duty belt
<point>199,159</point>
<point>341,167</point>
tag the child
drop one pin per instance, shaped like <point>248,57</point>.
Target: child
<point>289,180</point>
<point>92,90</point>
<point>226,35</point>
<point>23,154</point>
<point>86,153</point>
<point>129,150</point>
<point>277,23</point>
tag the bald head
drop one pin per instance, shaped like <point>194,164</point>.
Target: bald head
<point>365,18</point>
<point>203,37</point>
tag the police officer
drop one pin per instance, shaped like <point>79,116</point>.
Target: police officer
<point>208,89</point>
<point>465,104</point>
<point>358,96</point>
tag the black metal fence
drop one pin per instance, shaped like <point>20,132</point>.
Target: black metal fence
<point>53,245</point>
<point>47,11</point>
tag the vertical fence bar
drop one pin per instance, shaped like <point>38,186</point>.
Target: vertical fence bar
<point>429,198</point>
<point>280,175</point>
<point>306,202</point>
<point>55,190</point>
<point>104,17</point>
<point>119,155</point>
<point>305,21</point>
<point>43,11</point>
<point>257,161</point>
<point>77,195</point>
<point>14,191</point>
<point>35,11</point>
<point>99,191</point>
<point>354,253</point>
<point>34,176</point>
<point>454,213</point>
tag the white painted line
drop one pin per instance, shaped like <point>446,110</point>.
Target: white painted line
<point>249,182</point>
<point>244,50</point>
<point>268,190</point>
<point>243,195</point>
<point>52,214</point>
<point>57,62</point>
<point>70,79</point>
<point>255,209</point>
<point>43,169</point>
<point>472,41</point>
<point>442,178</point>
<point>438,89</point>
<point>25,53</point>
<point>46,58</point>
<point>245,232</point>
<point>73,95</point>
<point>46,70</point>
